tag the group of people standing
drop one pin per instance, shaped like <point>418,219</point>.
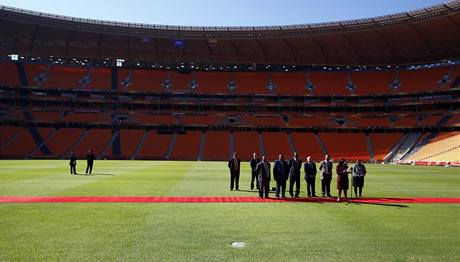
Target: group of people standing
<point>90,157</point>
<point>284,170</point>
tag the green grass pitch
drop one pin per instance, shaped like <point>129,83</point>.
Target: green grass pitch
<point>205,231</point>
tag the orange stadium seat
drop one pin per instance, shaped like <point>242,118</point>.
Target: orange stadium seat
<point>46,116</point>
<point>216,146</point>
<point>67,77</point>
<point>63,139</point>
<point>421,80</point>
<point>187,146</point>
<point>246,143</point>
<point>101,78</point>
<point>275,144</point>
<point>9,74</point>
<point>307,145</point>
<point>309,121</point>
<point>262,120</point>
<point>44,133</point>
<point>155,146</point>
<point>129,139</point>
<point>143,80</point>
<point>180,81</point>
<point>6,133</point>
<point>251,83</point>
<point>214,119</point>
<point>373,83</point>
<point>146,118</point>
<point>290,83</point>
<point>212,82</point>
<point>350,146</point>
<point>327,83</point>
<point>382,143</point>
<point>91,117</point>
<point>95,140</point>
<point>33,71</point>
<point>20,147</point>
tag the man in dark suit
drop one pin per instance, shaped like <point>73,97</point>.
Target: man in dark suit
<point>280,174</point>
<point>325,168</point>
<point>310,176</point>
<point>234,166</point>
<point>73,164</point>
<point>89,162</point>
<point>254,161</point>
<point>263,171</point>
<point>295,164</point>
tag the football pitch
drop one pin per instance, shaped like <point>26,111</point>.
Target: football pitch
<point>275,231</point>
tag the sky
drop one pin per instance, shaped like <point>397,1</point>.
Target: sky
<point>222,12</point>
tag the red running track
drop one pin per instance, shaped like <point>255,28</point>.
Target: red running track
<point>209,199</point>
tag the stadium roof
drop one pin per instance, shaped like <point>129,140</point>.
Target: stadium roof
<point>422,36</point>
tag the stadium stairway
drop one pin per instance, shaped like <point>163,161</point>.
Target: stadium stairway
<point>427,139</point>
<point>171,146</point>
<point>12,138</point>
<point>201,149</point>
<point>394,149</point>
<point>22,74</point>
<point>36,135</point>
<point>115,134</point>
<point>139,145</point>
<point>291,143</point>
<point>369,148</point>
<point>262,145</point>
<point>232,142</point>
<point>116,143</point>
<point>42,144</point>
<point>114,78</point>
<point>408,142</point>
<point>321,144</point>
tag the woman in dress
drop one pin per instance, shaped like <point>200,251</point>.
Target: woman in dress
<point>342,179</point>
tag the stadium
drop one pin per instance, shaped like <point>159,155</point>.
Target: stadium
<point>163,109</point>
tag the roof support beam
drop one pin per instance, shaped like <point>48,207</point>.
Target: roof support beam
<point>427,47</point>
<point>315,40</point>
<point>32,40</point>
<point>237,53</point>
<point>352,48</point>
<point>291,50</point>
<point>384,40</point>
<point>263,50</point>
<point>67,43</point>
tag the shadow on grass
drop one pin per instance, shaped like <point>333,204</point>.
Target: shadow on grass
<point>379,204</point>
<point>93,174</point>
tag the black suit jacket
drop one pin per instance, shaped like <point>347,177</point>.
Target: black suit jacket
<point>253,163</point>
<point>232,167</point>
<point>262,173</point>
<point>280,170</point>
<point>90,158</point>
<point>73,160</point>
<point>294,167</point>
<point>309,169</point>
